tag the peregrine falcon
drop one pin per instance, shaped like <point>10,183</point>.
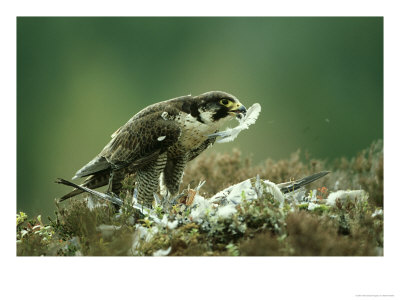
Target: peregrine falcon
<point>159,140</point>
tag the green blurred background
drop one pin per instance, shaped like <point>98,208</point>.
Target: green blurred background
<point>319,82</point>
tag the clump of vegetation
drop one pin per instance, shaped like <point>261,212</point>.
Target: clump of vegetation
<point>35,238</point>
<point>364,170</point>
<point>253,227</point>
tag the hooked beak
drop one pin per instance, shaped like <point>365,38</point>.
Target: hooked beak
<point>240,109</point>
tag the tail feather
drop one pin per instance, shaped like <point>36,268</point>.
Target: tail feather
<point>95,181</point>
<point>107,197</point>
<point>70,195</point>
<point>91,182</point>
<point>288,187</point>
<point>96,165</point>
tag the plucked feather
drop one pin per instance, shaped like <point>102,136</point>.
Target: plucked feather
<point>229,134</point>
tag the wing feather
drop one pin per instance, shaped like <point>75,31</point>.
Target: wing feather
<point>137,142</point>
<point>97,164</point>
<point>140,140</point>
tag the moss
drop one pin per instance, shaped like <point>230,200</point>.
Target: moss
<point>262,244</point>
<point>35,238</point>
<point>303,206</point>
<point>117,244</point>
<point>77,219</point>
<point>184,240</point>
<point>263,213</point>
<point>225,231</point>
<point>259,227</point>
<point>232,249</point>
<point>322,208</point>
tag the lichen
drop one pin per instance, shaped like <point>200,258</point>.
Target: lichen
<point>256,220</point>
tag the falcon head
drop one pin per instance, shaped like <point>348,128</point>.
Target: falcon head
<point>218,106</point>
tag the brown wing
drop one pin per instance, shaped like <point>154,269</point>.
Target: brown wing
<point>141,140</point>
<point>134,142</point>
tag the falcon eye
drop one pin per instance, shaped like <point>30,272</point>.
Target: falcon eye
<point>224,102</point>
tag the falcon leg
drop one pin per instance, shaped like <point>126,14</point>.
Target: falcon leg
<point>148,179</point>
<point>110,180</point>
<point>173,174</point>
